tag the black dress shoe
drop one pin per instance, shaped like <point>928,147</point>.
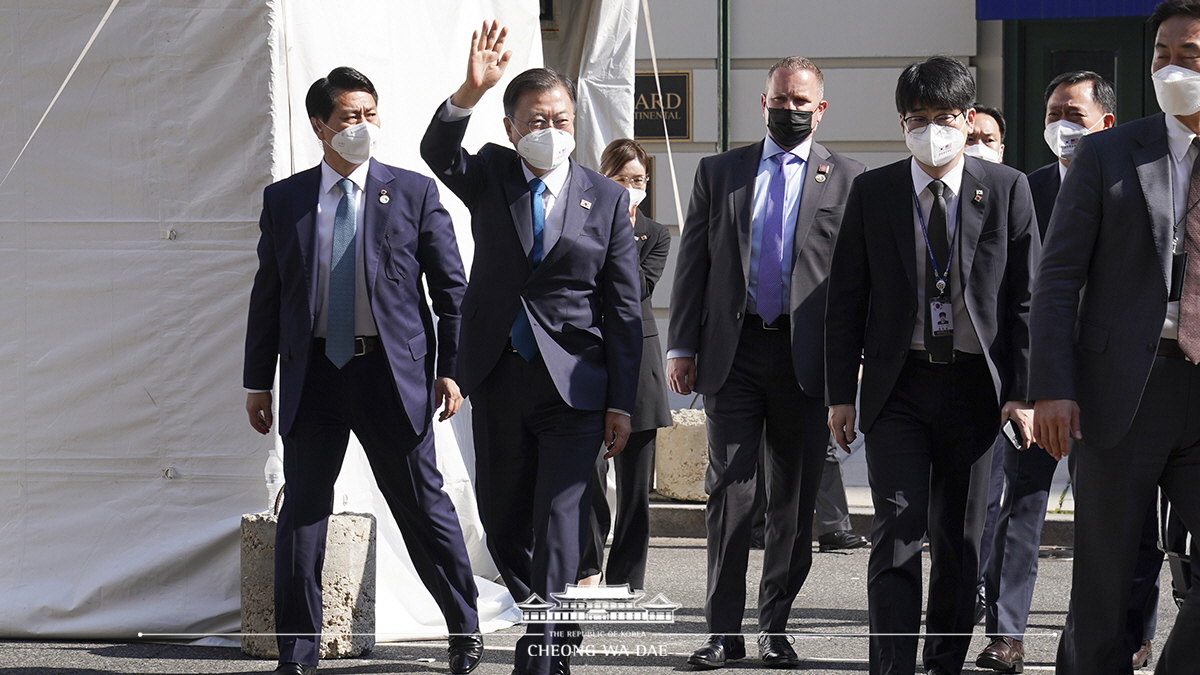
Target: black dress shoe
<point>775,651</point>
<point>718,650</point>
<point>294,669</point>
<point>840,541</point>
<point>465,652</point>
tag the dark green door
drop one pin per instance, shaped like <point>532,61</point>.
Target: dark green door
<point>1035,51</point>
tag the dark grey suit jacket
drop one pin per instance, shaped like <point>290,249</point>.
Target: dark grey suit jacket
<point>872,282</point>
<point>1111,231</point>
<point>708,300</point>
<point>1043,184</point>
<point>583,300</point>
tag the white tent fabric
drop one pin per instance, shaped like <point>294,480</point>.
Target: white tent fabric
<point>127,235</point>
<point>594,43</point>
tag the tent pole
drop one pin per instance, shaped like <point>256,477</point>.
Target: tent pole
<point>723,65</point>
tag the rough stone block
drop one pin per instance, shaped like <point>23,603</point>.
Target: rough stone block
<point>348,586</point>
<point>681,457</point>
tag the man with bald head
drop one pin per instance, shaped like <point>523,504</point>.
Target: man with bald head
<point>747,310</point>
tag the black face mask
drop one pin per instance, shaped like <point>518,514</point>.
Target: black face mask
<point>789,128</point>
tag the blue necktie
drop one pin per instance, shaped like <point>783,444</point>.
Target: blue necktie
<point>339,334</point>
<point>522,333</point>
<point>769,295</point>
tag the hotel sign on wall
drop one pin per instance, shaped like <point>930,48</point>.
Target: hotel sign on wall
<point>676,104</point>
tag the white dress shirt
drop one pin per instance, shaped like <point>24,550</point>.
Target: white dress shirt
<point>965,337</point>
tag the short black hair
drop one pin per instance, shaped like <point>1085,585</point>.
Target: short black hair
<point>995,114</point>
<point>939,82</point>
<point>1169,9</point>
<point>1102,91</point>
<point>323,93</point>
<point>538,80</point>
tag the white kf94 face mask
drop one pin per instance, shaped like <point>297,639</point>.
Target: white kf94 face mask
<point>935,145</point>
<point>984,152</point>
<point>1062,137</point>
<point>355,143</point>
<point>1177,90</point>
<point>546,149</point>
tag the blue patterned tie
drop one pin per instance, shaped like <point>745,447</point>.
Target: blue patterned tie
<point>769,295</point>
<point>522,333</point>
<point>339,334</point>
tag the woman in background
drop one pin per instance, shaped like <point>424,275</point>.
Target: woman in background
<point>625,162</point>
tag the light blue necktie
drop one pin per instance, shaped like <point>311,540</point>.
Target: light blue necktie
<point>339,334</point>
<point>522,333</point>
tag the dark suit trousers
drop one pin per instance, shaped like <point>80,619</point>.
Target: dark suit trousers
<point>631,533</point>
<point>1113,489</point>
<point>938,421</point>
<point>1013,563</point>
<point>534,455</point>
<point>761,389</point>
<point>361,397</point>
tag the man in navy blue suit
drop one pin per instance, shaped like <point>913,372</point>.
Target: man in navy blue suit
<point>552,328</point>
<point>339,299</point>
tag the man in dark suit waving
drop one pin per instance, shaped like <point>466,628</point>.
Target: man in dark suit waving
<point>1115,366</point>
<point>938,233</point>
<point>339,301</point>
<point>747,308</point>
<point>552,327</point>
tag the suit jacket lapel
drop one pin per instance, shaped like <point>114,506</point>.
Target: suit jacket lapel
<point>576,191</point>
<point>742,193</point>
<point>811,192</point>
<point>971,213</point>
<point>516,190</point>
<point>375,218</point>
<point>304,205</point>
<point>1153,162</point>
<point>901,208</point>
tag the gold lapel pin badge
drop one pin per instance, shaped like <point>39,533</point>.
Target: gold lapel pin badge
<point>822,173</point>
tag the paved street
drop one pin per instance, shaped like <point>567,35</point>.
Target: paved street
<point>829,621</point>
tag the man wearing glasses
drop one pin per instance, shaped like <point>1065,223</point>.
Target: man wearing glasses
<point>747,308</point>
<point>551,338</point>
<point>936,234</point>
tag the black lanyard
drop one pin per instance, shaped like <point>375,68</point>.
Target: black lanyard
<point>943,278</point>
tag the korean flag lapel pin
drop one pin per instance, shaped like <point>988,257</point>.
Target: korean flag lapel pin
<point>585,204</point>
<point>383,197</point>
<point>978,196</point>
<point>822,173</point>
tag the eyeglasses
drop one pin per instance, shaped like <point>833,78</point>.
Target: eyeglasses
<point>916,121</point>
<point>540,123</point>
<point>634,181</point>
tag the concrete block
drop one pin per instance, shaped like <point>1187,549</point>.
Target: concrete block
<point>347,582</point>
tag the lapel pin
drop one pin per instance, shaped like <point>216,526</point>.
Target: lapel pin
<point>820,178</point>
<point>978,196</point>
<point>585,204</point>
<point>383,197</point>
<point>822,173</point>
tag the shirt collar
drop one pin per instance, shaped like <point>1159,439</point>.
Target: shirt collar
<point>1062,170</point>
<point>952,180</point>
<point>1179,138</point>
<point>554,179</point>
<point>771,148</point>
<point>330,178</point>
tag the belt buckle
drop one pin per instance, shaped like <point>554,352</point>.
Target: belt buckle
<point>929,355</point>
<point>360,346</point>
